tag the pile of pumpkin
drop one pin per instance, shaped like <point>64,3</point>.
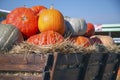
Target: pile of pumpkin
<point>42,26</point>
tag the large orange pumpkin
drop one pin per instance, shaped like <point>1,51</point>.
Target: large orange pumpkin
<point>45,38</point>
<point>82,41</point>
<point>90,30</point>
<point>51,19</point>
<point>24,19</point>
<point>38,9</point>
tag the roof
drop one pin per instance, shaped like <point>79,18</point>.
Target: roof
<point>107,27</point>
<point>4,11</point>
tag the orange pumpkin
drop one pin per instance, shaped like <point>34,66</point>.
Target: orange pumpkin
<point>51,19</point>
<point>24,19</point>
<point>46,38</point>
<point>83,41</point>
<point>3,21</point>
<point>37,9</point>
<point>90,30</point>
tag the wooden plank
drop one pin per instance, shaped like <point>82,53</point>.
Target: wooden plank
<point>66,66</point>
<point>53,66</point>
<point>66,74</point>
<point>69,59</point>
<point>93,67</point>
<point>48,67</point>
<point>8,67</point>
<point>107,75</point>
<point>40,58</point>
<point>92,72</point>
<point>79,58</point>
<point>112,57</point>
<point>22,62</point>
<point>75,58</point>
<point>20,77</point>
<point>112,65</point>
<point>95,58</point>
<point>49,62</point>
<point>22,58</point>
<point>84,65</point>
<point>13,59</point>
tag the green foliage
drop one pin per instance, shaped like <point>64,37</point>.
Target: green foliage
<point>2,15</point>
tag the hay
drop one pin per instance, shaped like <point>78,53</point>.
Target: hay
<point>65,47</point>
<point>118,78</point>
<point>20,73</point>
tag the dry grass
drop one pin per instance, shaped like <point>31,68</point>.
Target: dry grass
<point>20,73</point>
<point>118,78</point>
<point>65,47</point>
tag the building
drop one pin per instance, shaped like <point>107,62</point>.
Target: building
<point>3,14</point>
<point>112,30</point>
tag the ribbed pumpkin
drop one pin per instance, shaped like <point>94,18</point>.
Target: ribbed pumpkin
<point>9,35</point>
<point>51,19</point>
<point>90,30</point>
<point>38,9</point>
<point>24,19</point>
<point>46,38</point>
<point>75,26</point>
<point>82,41</point>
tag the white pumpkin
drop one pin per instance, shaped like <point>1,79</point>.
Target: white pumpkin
<point>75,26</point>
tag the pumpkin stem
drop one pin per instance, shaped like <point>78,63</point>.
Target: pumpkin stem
<point>51,6</point>
<point>24,18</point>
<point>24,5</point>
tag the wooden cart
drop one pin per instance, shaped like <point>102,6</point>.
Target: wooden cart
<point>59,66</point>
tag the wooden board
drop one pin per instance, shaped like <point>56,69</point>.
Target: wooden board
<point>111,67</point>
<point>12,77</point>
<point>22,62</point>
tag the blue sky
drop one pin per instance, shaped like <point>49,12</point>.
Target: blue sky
<point>94,11</point>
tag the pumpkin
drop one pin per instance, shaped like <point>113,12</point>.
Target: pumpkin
<point>95,40</point>
<point>75,26</point>
<point>107,41</point>
<point>9,35</point>
<point>3,21</point>
<point>24,19</point>
<point>81,41</point>
<point>37,9</point>
<point>46,38</point>
<point>51,19</point>
<point>90,30</point>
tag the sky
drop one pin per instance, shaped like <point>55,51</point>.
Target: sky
<point>94,11</point>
